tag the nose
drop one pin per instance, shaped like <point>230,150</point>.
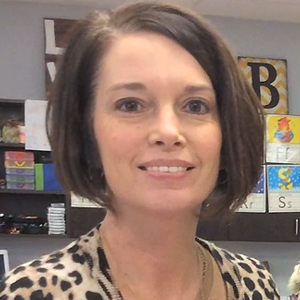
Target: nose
<point>166,131</point>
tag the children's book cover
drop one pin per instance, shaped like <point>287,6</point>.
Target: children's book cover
<point>283,188</point>
<point>283,139</point>
<point>256,202</point>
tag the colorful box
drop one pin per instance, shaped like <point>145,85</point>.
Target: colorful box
<point>20,178</point>
<point>19,170</point>
<point>39,177</point>
<point>45,178</point>
<point>19,160</point>
<point>19,156</point>
<point>22,172</point>
<point>20,186</point>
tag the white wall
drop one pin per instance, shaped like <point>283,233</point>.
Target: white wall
<point>22,76</point>
<point>22,73</point>
<point>268,40</point>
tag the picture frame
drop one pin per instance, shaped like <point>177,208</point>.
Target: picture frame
<point>268,77</point>
<point>56,32</point>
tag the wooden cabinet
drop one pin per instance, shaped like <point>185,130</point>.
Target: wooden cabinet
<point>81,220</point>
<point>268,227</point>
<point>254,227</point>
<point>213,230</point>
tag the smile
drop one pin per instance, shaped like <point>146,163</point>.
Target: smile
<point>165,169</point>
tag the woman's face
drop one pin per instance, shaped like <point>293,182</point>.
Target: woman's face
<point>156,125</point>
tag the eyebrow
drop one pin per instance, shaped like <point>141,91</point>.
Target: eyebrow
<point>138,86</point>
<point>133,86</point>
<point>198,88</point>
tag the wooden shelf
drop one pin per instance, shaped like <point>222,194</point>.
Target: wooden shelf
<point>22,147</point>
<point>12,101</point>
<point>12,145</point>
<point>24,235</point>
<point>6,191</point>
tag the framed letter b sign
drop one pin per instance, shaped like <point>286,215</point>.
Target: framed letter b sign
<point>268,78</point>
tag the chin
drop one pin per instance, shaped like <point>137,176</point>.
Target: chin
<point>172,203</point>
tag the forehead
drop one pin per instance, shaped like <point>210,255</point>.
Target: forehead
<point>147,54</point>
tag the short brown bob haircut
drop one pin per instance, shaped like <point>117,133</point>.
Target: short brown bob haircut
<point>70,111</point>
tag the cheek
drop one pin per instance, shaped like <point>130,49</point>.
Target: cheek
<point>211,142</point>
<point>116,143</point>
<point>110,147</point>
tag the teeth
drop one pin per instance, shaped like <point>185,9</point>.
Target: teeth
<point>163,169</point>
<point>166,169</point>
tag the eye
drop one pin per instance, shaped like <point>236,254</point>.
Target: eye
<point>196,106</point>
<point>129,105</point>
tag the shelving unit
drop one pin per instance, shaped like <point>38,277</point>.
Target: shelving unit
<point>31,192</point>
<point>12,101</point>
<point>18,236</point>
<point>20,201</point>
<point>12,145</point>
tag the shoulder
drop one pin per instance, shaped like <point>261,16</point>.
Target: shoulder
<point>59,275</point>
<point>243,274</point>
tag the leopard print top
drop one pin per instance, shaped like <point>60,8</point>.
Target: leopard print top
<point>80,271</point>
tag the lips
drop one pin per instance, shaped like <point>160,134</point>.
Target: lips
<point>170,166</point>
<point>165,169</point>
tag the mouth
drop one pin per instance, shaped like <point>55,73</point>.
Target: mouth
<point>166,169</point>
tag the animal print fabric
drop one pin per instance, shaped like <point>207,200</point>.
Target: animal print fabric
<point>80,271</point>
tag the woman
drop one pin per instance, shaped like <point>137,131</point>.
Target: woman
<point>151,117</point>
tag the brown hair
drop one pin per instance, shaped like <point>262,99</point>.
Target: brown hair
<point>75,153</point>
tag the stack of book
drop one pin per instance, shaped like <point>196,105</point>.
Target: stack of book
<point>56,218</point>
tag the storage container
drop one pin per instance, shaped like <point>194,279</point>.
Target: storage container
<point>20,186</point>
<point>19,159</point>
<point>18,156</point>
<point>45,178</point>
<point>20,178</point>
<point>19,164</point>
<point>16,171</point>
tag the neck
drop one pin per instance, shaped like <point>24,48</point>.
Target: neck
<point>152,253</point>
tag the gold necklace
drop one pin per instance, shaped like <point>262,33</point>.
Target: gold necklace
<point>206,275</point>
<point>201,260</point>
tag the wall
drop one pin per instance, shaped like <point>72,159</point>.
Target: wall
<point>22,76</point>
<point>268,40</point>
<point>22,47</point>
<point>24,248</point>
